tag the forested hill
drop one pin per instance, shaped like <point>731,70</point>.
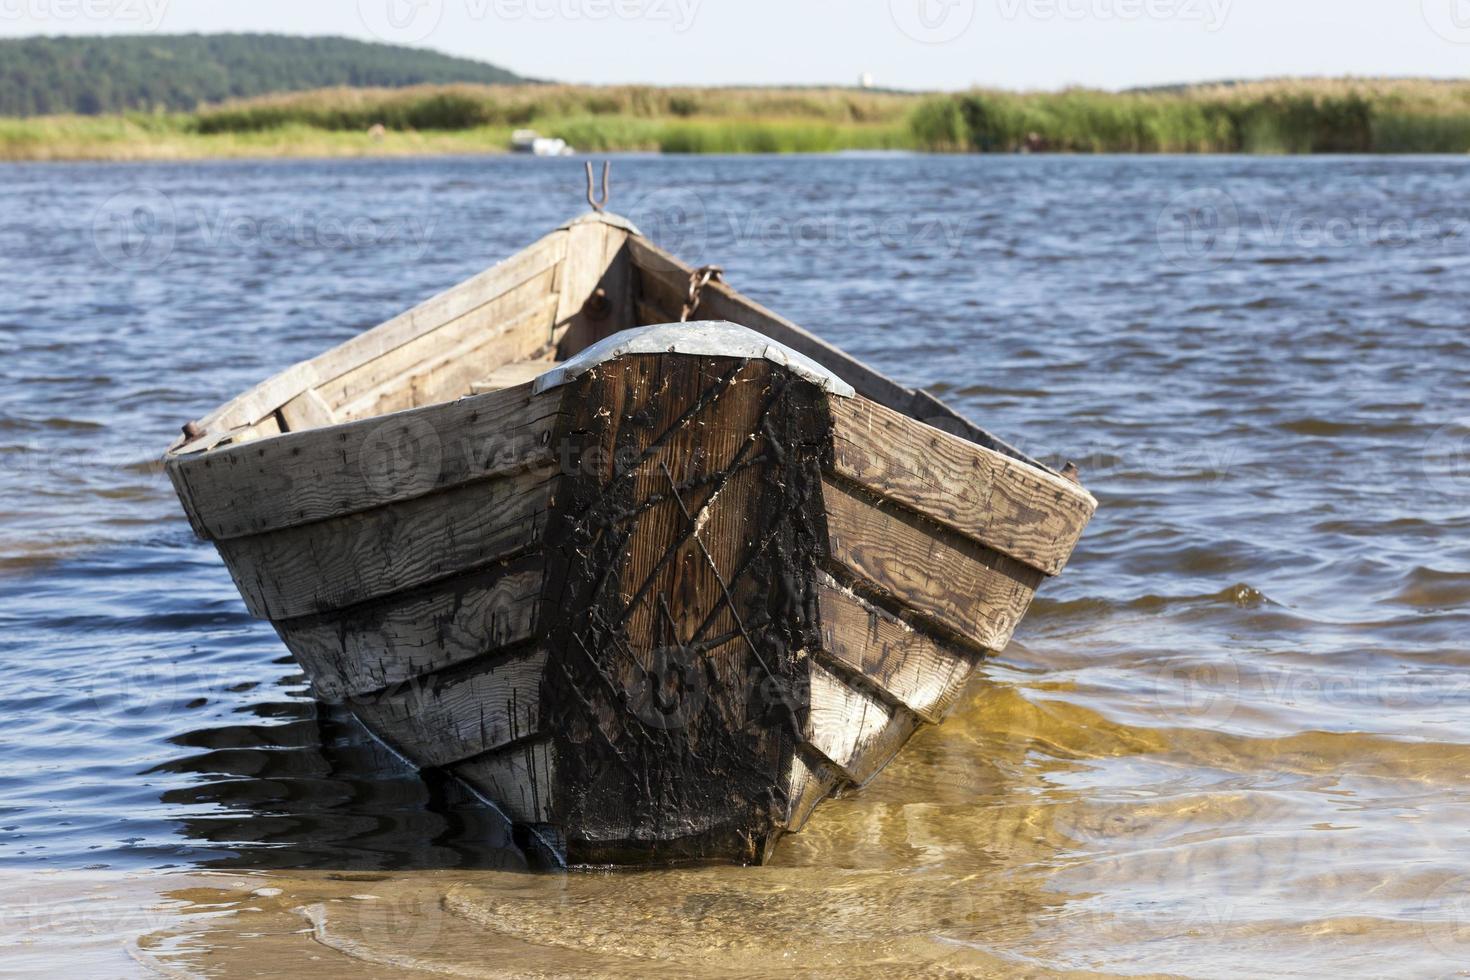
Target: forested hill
<point>90,75</point>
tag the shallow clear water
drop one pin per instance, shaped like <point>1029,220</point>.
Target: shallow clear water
<point>1233,737</point>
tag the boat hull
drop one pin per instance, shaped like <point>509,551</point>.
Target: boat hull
<point>656,605</point>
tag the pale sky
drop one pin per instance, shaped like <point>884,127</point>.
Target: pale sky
<point>916,44</point>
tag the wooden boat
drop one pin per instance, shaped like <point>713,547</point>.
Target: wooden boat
<point>653,588</point>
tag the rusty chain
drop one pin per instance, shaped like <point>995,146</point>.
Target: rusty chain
<point>698,279</point>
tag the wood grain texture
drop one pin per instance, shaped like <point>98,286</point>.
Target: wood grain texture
<point>510,376</point>
<point>307,410</point>
<point>965,588</point>
<point>264,399</point>
<point>1029,514</point>
<point>520,779</point>
<point>912,669</point>
<point>855,731</point>
<point>309,476</point>
<point>343,561</point>
<point>650,314</point>
<point>811,780</point>
<point>451,716</point>
<point>365,648</point>
<point>686,538</point>
<point>595,259</point>
<point>660,612</point>
<point>374,379</point>
<point>510,329</point>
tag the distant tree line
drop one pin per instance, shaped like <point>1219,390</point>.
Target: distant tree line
<point>93,75</point>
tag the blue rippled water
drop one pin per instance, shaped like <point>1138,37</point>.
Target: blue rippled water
<point>1257,659</point>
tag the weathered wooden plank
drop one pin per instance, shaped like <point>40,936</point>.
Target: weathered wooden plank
<point>264,399</point>
<point>365,648</point>
<point>444,718</point>
<point>307,411</point>
<point>595,258</point>
<point>697,489</point>
<point>1027,513</point>
<point>811,781</point>
<point>910,667</point>
<point>449,374</point>
<point>313,475</point>
<point>343,561</point>
<point>651,313</point>
<point>518,319</point>
<point>948,579</point>
<point>519,779</point>
<point>857,732</point>
<point>264,429</point>
<point>511,375</point>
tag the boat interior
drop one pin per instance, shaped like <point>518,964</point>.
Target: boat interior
<point>587,280</point>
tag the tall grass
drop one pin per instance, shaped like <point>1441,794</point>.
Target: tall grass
<point>467,106</point>
<point>1326,116</point>
<point>1323,116</point>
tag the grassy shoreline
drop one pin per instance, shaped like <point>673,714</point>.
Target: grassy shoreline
<point>1322,116</point>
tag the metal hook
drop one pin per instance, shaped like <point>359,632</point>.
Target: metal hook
<point>597,205</point>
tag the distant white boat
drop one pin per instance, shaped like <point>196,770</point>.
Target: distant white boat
<point>528,141</point>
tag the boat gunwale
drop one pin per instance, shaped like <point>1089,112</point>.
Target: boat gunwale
<point>210,443</point>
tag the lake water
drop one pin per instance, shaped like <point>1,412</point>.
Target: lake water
<point>1232,739</point>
